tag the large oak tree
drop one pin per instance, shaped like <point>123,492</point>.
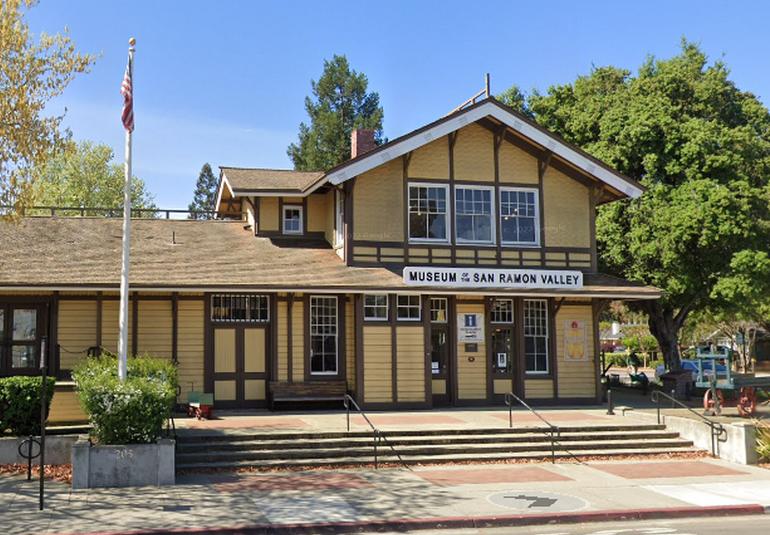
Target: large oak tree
<point>701,147</point>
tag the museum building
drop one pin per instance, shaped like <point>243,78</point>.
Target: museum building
<point>446,267</point>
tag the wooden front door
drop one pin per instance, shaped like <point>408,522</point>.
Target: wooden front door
<point>240,372</point>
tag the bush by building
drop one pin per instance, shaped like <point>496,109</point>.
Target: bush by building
<point>20,404</point>
<point>131,411</point>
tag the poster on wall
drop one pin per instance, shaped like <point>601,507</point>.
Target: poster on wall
<point>470,328</point>
<point>575,340</point>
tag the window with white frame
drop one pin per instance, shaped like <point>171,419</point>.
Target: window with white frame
<point>428,212</point>
<point>473,214</point>
<point>438,309</point>
<point>519,218</point>
<point>376,307</point>
<point>408,307</point>
<point>502,311</point>
<point>536,336</point>
<point>323,335</point>
<point>242,307</point>
<point>292,219</point>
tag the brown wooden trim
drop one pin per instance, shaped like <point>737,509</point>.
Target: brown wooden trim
<point>557,305</point>
<point>347,216</point>
<point>451,139</point>
<point>452,385</point>
<point>392,313</point>
<point>99,318</point>
<point>426,337</point>
<point>342,358</point>
<point>592,227</point>
<point>134,323</point>
<point>358,313</point>
<point>315,235</point>
<point>497,141</point>
<point>405,160</point>
<point>175,328</point>
<point>289,338</point>
<point>597,305</point>
<point>519,346</point>
<point>52,353</point>
<point>256,204</point>
<point>488,345</point>
<point>273,345</point>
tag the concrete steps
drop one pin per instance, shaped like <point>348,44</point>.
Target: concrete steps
<point>302,449</point>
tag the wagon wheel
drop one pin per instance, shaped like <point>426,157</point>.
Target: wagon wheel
<point>747,401</point>
<point>708,402</point>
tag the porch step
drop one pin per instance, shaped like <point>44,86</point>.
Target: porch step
<point>303,449</point>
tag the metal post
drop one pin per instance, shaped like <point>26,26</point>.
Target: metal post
<point>376,436</point>
<point>43,404</point>
<point>553,449</point>
<point>29,459</point>
<point>510,415</point>
<point>610,408</point>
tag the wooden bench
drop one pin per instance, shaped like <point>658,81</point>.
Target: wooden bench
<point>281,391</point>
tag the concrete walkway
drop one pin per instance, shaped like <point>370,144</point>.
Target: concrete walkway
<point>351,499</point>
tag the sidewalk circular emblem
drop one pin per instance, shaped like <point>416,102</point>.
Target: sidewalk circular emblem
<point>536,501</point>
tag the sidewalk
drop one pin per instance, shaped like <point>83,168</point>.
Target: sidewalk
<point>463,496</point>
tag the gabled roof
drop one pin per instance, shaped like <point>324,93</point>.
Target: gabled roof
<point>256,180</point>
<point>513,120</point>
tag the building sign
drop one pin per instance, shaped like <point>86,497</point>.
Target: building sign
<point>470,328</point>
<point>575,340</point>
<point>492,278</point>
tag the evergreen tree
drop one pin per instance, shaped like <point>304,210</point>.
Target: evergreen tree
<point>339,105</point>
<point>205,194</point>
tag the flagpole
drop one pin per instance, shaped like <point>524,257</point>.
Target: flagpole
<point>123,318</point>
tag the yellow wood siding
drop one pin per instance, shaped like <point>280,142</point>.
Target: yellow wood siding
<point>297,341</point>
<point>566,204</point>
<point>410,360</point>
<point>516,165</point>
<point>538,389</point>
<point>350,344</point>
<point>317,208</point>
<point>474,154</point>
<point>110,327</point>
<point>155,329</point>
<point>378,203</point>
<point>577,378</point>
<point>268,214</point>
<point>190,347</point>
<point>471,367</point>
<point>282,342</point>
<point>76,331</point>
<point>431,160</point>
<point>65,407</point>
<point>377,365</point>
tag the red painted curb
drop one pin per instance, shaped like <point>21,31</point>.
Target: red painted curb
<point>408,524</point>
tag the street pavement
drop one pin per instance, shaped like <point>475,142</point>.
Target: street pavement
<point>345,497</point>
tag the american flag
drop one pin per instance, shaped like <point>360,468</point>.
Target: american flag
<point>127,89</point>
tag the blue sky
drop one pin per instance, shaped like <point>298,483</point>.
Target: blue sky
<point>224,82</point>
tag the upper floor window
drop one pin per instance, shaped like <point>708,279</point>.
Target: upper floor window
<point>428,212</point>
<point>473,214</point>
<point>246,308</point>
<point>408,308</point>
<point>292,219</point>
<point>519,220</point>
<point>376,307</point>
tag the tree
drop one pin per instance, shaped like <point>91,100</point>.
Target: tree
<point>31,74</point>
<point>205,194</point>
<point>339,105</point>
<point>84,176</point>
<point>701,147</point>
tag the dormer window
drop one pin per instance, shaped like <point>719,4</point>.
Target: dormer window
<point>292,219</point>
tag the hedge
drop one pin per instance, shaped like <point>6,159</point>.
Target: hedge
<point>131,411</point>
<point>20,404</point>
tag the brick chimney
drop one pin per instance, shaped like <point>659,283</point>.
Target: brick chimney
<point>361,141</point>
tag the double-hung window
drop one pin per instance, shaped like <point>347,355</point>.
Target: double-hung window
<point>292,219</point>
<point>376,307</point>
<point>519,218</point>
<point>536,335</point>
<point>473,214</point>
<point>323,335</point>
<point>428,212</point>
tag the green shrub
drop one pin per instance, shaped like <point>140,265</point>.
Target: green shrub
<point>128,412</point>
<point>763,440</point>
<point>20,404</point>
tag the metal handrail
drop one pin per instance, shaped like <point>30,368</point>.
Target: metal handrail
<point>378,435</point>
<point>554,430</point>
<point>717,429</point>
